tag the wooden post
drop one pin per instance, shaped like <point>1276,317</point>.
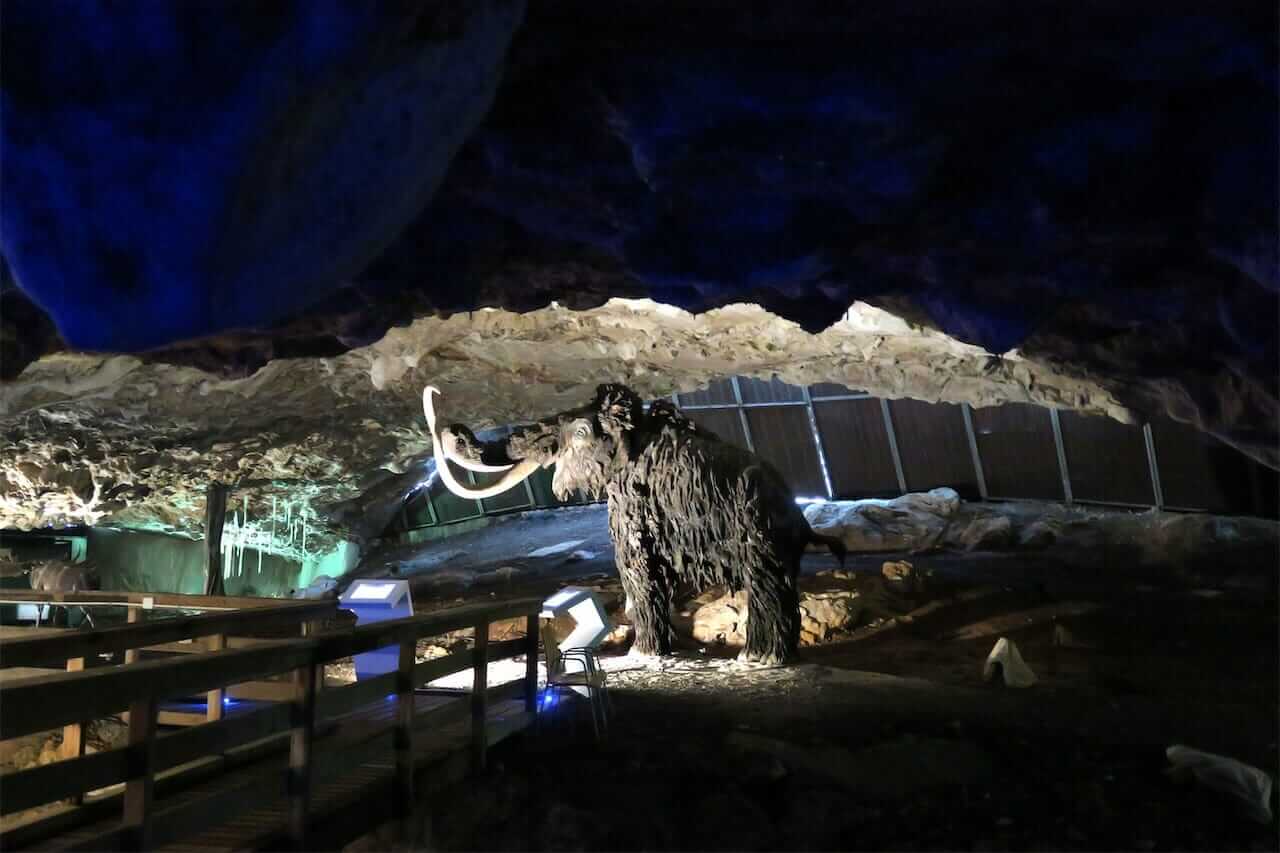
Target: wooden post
<point>138,787</point>
<point>213,699</point>
<point>403,738</point>
<point>302,724</point>
<point>73,736</point>
<point>215,513</point>
<point>133,614</point>
<point>479,689</point>
<point>531,663</point>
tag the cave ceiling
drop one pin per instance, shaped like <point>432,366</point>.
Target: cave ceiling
<point>236,243</point>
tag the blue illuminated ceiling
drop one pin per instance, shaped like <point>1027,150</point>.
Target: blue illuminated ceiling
<point>173,170</point>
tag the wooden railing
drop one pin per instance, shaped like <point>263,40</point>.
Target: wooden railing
<point>45,702</point>
<point>220,617</point>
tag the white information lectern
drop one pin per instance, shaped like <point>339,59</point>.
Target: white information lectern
<point>375,600</point>
<point>591,625</point>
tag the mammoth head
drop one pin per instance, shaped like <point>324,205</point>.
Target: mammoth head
<point>586,445</point>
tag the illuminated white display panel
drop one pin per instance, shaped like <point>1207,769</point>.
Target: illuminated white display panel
<point>377,600</point>
<point>591,625</point>
<point>372,592</point>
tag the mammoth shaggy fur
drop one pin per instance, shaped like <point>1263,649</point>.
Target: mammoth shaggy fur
<point>685,508</point>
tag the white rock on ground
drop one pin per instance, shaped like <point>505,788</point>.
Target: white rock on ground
<point>900,524</point>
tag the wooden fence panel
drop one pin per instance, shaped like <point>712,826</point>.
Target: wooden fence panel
<point>718,393</point>
<point>449,507</point>
<point>769,391</point>
<point>1107,460</point>
<point>857,448</point>
<point>1019,459</point>
<point>517,498</point>
<point>934,447</point>
<point>783,437</point>
<point>726,423</point>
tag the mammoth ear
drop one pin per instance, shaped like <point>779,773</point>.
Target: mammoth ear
<point>618,407</point>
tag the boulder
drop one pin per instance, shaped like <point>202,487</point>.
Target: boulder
<point>723,621</point>
<point>826,613</point>
<point>897,570</point>
<point>911,522</point>
<point>620,637</point>
<point>986,533</point>
<point>501,576</point>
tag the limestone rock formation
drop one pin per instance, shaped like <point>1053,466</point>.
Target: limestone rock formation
<point>125,441</point>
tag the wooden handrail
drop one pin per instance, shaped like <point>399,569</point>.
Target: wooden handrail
<point>47,701</point>
<point>58,648</point>
<point>143,599</point>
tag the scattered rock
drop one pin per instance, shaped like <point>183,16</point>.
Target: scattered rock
<point>986,533</point>
<point>723,621</point>
<point>620,637</point>
<point>1038,534</point>
<point>897,570</point>
<point>824,614</point>
<point>1006,665</point>
<point>557,548</point>
<point>504,575</point>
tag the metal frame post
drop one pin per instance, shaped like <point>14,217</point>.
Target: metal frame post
<point>742,413</point>
<point>1153,464</point>
<point>1062,455</point>
<point>893,444</point>
<point>967,414</point>
<point>471,479</point>
<point>817,442</point>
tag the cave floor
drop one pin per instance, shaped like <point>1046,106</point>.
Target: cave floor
<point>888,737</point>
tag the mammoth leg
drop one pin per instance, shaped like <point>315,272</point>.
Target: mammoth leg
<point>773,614</point>
<point>647,589</point>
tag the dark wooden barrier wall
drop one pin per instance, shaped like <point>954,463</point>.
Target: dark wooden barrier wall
<point>830,441</point>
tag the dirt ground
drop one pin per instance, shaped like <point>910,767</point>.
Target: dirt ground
<point>887,737</point>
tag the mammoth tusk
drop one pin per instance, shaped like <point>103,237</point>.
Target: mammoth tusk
<point>517,475</point>
<point>513,477</point>
<point>449,445</point>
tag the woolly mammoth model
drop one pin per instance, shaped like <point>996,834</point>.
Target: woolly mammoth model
<point>684,506</point>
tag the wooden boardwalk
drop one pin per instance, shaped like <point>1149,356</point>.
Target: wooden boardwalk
<point>312,773</point>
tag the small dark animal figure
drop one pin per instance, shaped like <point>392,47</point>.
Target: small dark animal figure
<point>684,507</point>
